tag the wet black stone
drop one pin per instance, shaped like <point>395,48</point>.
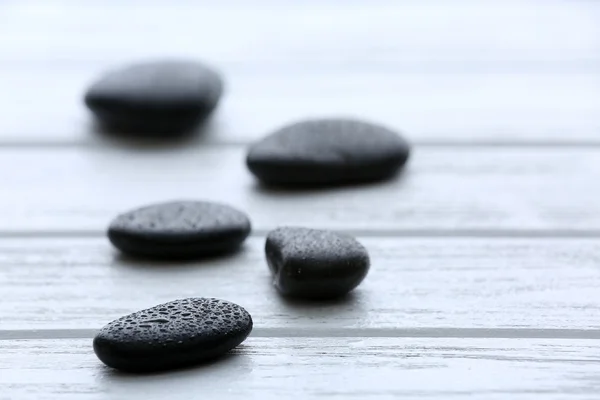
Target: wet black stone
<point>327,152</point>
<point>179,229</point>
<point>163,97</point>
<point>171,335</point>
<point>311,263</point>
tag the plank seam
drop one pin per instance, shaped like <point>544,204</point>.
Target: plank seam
<point>433,143</point>
<point>459,333</point>
<point>384,233</point>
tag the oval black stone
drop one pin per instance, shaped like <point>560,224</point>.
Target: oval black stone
<point>326,152</point>
<point>312,263</point>
<point>171,335</point>
<point>179,229</point>
<point>162,97</point>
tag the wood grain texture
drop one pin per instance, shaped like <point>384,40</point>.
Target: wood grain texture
<point>413,283</point>
<point>341,368</point>
<point>442,72</point>
<point>451,189</point>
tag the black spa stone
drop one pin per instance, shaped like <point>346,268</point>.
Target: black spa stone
<point>179,229</point>
<point>327,152</point>
<point>311,263</point>
<point>171,335</point>
<point>162,97</point>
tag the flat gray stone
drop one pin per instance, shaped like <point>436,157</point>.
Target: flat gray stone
<point>172,335</point>
<point>328,152</point>
<point>179,229</point>
<point>155,98</point>
<point>313,263</point>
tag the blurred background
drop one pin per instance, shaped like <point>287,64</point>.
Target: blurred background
<point>459,71</point>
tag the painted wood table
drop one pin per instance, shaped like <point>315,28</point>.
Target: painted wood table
<point>485,252</point>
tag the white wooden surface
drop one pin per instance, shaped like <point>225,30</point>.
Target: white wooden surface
<point>485,260</point>
<point>432,107</point>
<point>443,188</point>
<point>325,368</point>
<point>461,283</point>
<point>483,71</point>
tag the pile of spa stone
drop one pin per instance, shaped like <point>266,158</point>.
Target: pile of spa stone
<point>168,98</point>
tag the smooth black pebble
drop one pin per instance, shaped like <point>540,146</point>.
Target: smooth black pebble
<point>162,97</point>
<point>171,335</point>
<point>327,152</point>
<point>312,263</point>
<point>179,229</point>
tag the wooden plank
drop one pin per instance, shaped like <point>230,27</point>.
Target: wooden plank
<point>265,368</point>
<point>57,30</point>
<point>441,71</point>
<point>428,107</point>
<point>449,189</point>
<point>475,284</point>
